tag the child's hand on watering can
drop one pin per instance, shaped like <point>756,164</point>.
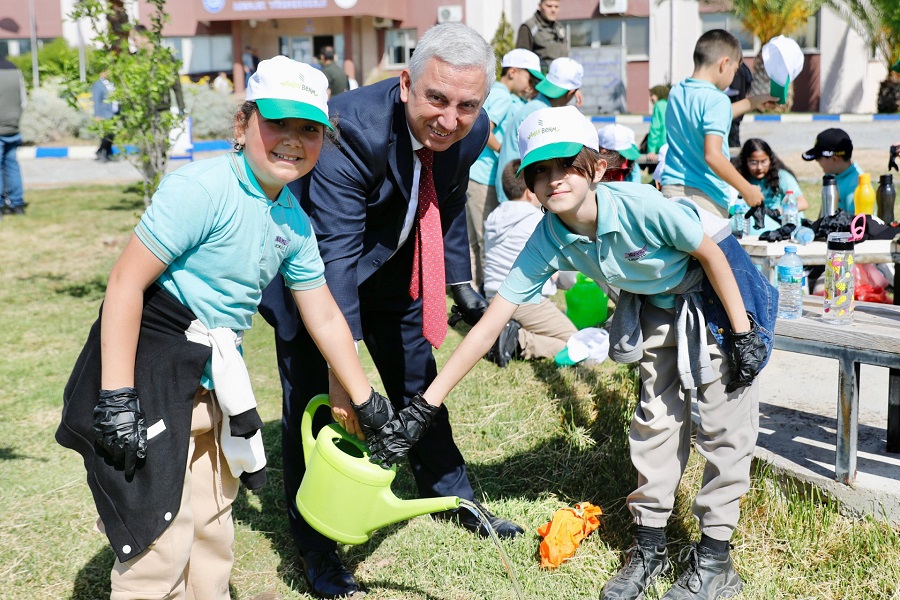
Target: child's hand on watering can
<point>342,407</point>
<point>393,442</point>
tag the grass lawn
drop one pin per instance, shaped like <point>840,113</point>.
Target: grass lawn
<point>536,439</point>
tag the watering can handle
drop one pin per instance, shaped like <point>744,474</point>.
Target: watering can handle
<point>309,442</point>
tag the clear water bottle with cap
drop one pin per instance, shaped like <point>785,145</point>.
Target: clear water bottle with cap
<point>789,211</point>
<point>839,283</point>
<point>789,270</point>
<point>829,196</point>
<point>740,226</point>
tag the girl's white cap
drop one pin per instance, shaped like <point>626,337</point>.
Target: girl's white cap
<point>284,88</point>
<point>555,133</point>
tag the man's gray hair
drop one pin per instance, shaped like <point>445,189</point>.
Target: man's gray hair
<point>459,46</point>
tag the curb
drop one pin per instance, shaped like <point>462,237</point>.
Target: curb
<point>87,152</point>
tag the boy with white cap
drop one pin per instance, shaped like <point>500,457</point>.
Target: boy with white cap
<point>557,89</point>
<point>694,314</point>
<point>621,153</point>
<point>164,467</point>
<point>520,72</point>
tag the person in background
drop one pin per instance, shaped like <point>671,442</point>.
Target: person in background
<point>520,72</point>
<point>759,165</point>
<point>13,97</point>
<point>620,152</point>
<point>388,209</point>
<point>248,63</point>
<point>222,84</point>
<point>350,72</point>
<point>558,88</point>
<point>338,82</point>
<point>698,119</point>
<point>738,90</point>
<point>104,109</point>
<point>175,428</point>
<point>546,37</point>
<point>833,151</point>
<point>656,137</point>
<point>540,330</point>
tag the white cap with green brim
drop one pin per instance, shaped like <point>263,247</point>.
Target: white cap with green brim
<point>783,60</point>
<point>564,75</point>
<point>284,88</point>
<point>620,139</point>
<point>521,58</point>
<point>555,133</point>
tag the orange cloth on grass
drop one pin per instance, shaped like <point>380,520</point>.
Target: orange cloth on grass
<point>564,532</point>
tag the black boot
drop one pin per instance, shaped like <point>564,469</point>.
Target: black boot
<point>708,576</point>
<point>641,569</point>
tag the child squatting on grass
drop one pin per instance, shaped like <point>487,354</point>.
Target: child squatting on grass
<point>176,425</point>
<point>694,313</point>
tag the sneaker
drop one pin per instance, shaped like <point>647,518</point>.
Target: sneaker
<point>16,210</point>
<point>707,577</point>
<point>641,569</point>
<point>507,345</point>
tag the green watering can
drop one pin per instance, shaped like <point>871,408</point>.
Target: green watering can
<point>344,496</point>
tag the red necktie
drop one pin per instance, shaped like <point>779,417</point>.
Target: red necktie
<point>428,256</point>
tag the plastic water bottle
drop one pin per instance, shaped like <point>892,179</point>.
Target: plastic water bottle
<point>838,301</point>
<point>739,225</point>
<point>789,211</point>
<point>803,235</point>
<point>864,196</point>
<point>586,303</point>
<point>789,269</point>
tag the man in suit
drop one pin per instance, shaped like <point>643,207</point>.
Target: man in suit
<point>364,202</point>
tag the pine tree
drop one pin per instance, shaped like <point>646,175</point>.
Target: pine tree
<point>503,40</point>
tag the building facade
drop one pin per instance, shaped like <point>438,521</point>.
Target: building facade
<point>627,46</point>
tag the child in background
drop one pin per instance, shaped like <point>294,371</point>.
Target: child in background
<point>176,424</point>
<point>542,330</point>
<point>698,119</point>
<point>656,136</point>
<point>672,273</point>
<point>759,165</point>
<point>620,153</point>
<point>833,151</point>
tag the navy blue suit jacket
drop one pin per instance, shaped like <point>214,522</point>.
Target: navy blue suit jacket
<point>358,193</point>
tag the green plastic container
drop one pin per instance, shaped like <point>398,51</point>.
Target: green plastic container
<point>586,303</point>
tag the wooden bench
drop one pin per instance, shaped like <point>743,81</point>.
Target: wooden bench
<point>873,338</point>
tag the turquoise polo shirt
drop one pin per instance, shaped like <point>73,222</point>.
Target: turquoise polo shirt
<point>643,246</point>
<point>499,106</point>
<point>847,181</point>
<point>223,241</point>
<point>771,198</point>
<point>696,109</point>
<point>509,148</point>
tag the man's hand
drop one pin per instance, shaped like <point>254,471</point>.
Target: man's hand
<point>373,415</point>
<point>469,304</point>
<point>119,427</point>
<point>748,353</point>
<point>394,441</point>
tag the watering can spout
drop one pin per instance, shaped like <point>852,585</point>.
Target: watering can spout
<point>343,495</point>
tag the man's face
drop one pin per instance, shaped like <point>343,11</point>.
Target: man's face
<point>442,105</point>
<point>549,9</point>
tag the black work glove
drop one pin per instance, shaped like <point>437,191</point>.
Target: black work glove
<point>759,214</point>
<point>777,235</point>
<point>392,444</point>
<point>748,353</point>
<point>374,414</point>
<point>469,304</point>
<point>892,161</point>
<point>119,427</point>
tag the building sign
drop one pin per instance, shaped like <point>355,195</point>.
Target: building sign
<point>265,9</point>
<point>603,86</point>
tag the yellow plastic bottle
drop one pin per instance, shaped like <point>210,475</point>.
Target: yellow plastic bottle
<point>864,196</point>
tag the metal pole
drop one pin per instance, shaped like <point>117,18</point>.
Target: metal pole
<point>35,75</point>
<point>82,70</point>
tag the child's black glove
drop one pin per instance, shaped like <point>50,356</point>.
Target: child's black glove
<point>748,353</point>
<point>469,304</point>
<point>119,427</point>
<point>392,444</point>
<point>892,161</point>
<point>374,414</point>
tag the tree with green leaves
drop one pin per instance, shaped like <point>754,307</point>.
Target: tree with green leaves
<point>503,40</point>
<point>144,73</point>
<point>767,19</point>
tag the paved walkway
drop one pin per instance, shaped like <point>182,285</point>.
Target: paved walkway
<point>799,393</point>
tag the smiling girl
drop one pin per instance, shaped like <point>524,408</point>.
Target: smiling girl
<point>694,313</point>
<point>175,403</point>
<point>759,165</point>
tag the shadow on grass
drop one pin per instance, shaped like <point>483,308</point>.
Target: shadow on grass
<point>9,453</point>
<point>91,288</point>
<point>92,580</point>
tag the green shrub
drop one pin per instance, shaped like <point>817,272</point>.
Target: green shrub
<point>889,97</point>
<point>212,112</point>
<point>49,118</point>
